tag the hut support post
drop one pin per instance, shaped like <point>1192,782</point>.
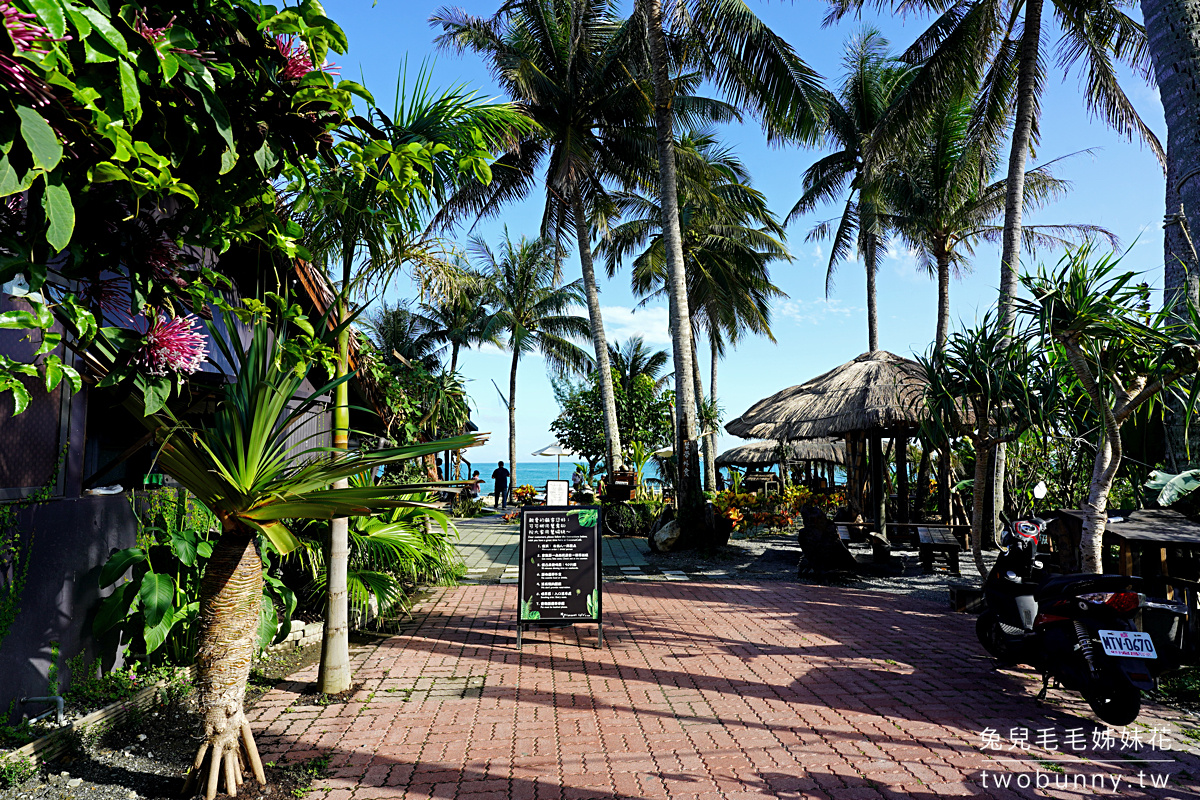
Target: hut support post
<point>902,479</point>
<point>878,492</point>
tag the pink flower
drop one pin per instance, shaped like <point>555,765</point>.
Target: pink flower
<point>158,36</point>
<point>299,60</point>
<point>174,344</point>
<point>27,36</point>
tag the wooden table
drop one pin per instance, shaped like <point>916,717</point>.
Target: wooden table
<point>937,540</point>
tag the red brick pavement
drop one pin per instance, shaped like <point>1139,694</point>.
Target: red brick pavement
<point>708,691</point>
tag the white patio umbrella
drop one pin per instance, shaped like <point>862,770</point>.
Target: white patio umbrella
<point>558,450</point>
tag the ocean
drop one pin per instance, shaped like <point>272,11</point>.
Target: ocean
<point>537,472</point>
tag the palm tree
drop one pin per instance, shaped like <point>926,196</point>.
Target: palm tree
<point>533,312</point>
<point>363,216</point>
<point>873,79</point>
<point>398,330</point>
<point>730,237</point>
<point>726,42</point>
<point>460,319</point>
<point>567,63</point>
<point>988,43</point>
<point>240,465</point>
<point>634,358</point>
<point>939,203</point>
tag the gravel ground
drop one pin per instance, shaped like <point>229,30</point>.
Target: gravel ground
<point>148,756</point>
<point>776,556</point>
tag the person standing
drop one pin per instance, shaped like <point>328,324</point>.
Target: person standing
<point>500,476</point>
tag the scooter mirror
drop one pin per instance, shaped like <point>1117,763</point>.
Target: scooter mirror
<point>1040,490</point>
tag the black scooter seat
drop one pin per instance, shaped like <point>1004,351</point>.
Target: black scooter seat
<point>1081,583</point>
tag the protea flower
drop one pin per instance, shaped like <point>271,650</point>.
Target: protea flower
<point>172,344</point>
<point>299,60</point>
<point>27,36</point>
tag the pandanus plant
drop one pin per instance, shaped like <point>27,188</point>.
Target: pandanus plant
<point>239,462</point>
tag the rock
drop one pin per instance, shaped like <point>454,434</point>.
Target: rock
<point>74,782</point>
<point>824,552</point>
<point>665,537</point>
<point>141,737</point>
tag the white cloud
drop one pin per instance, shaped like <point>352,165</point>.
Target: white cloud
<point>903,261</point>
<point>813,312</point>
<point>652,323</point>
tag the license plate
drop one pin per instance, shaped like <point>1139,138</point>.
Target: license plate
<point>1127,644</point>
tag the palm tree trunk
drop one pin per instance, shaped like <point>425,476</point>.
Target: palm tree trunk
<point>686,480</point>
<point>334,672</point>
<point>454,357</point>
<point>230,596</point>
<point>1173,33</point>
<point>612,431</point>
<point>710,471</point>
<point>943,318</point>
<point>512,422</point>
<point>712,393</point>
<point>870,259</point>
<point>1027,90</point>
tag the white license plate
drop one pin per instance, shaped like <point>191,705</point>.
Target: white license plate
<point>1127,644</point>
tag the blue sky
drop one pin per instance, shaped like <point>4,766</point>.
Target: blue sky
<point>1119,186</point>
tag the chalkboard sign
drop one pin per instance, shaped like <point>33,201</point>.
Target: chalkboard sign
<point>559,580</point>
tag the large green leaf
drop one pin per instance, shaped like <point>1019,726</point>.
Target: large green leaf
<point>115,608</point>
<point>1179,486</point>
<point>40,138</point>
<point>268,622</point>
<point>60,210</point>
<point>157,595</point>
<point>156,634</point>
<point>119,562</point>
<point>183,545</point>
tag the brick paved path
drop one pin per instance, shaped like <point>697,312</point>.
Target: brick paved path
<point>705,691</point>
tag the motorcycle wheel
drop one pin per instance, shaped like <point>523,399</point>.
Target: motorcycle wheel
<point>1115,703</point>
<point>987,630</point>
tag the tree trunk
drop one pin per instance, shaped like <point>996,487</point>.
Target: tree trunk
<point>612,432</point>
<point>878,491</point>
<point>230,595</point>
<point>943,313</point>
<point>1027,100</point>
<point>978,506</point>
<point>712,393</point>
<point>923,468</point>
<point>1104,469</point>
<point>710,472</point>
<point>687,482</point>
<point>1173,33</point>
<point>454,356</point>
<point>870,259</point>
<point>334,672</point>
<point>901,479</point>
<point>512,422</point>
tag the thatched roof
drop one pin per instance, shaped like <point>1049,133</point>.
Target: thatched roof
<point>877,391</point>
<point>767,452</point>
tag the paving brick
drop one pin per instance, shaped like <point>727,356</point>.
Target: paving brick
<point>704,691</point>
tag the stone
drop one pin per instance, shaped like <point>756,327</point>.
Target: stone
<point>74,782</point>
<point>824,552</point>
<point>666,537</point>
<point>141,737</point>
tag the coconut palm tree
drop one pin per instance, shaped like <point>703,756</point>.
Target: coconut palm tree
<point>996,43</point>
<point>240,465</point>
<point>398,330</point>
<point>532,312</point>
<point>939,201</point>
<point>363,217</point>
<point>634,358</point>
<point>873,78</point>
<point>730,238</point>
<point>727,43</point>
<point>460,318</point>
<point>567,63</point>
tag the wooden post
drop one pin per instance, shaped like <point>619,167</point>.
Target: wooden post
<point>878,492</point>
<point>902,479</point>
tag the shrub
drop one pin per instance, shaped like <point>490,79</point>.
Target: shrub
<point>15,771</point>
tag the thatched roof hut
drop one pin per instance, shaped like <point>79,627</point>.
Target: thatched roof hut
<point>767,452</point>
<point>876,392</point>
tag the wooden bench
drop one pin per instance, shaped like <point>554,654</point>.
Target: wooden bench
<point>938,540</point>
<point>843,533</point>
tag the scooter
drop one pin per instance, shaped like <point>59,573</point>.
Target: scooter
<point>1079,630</point>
